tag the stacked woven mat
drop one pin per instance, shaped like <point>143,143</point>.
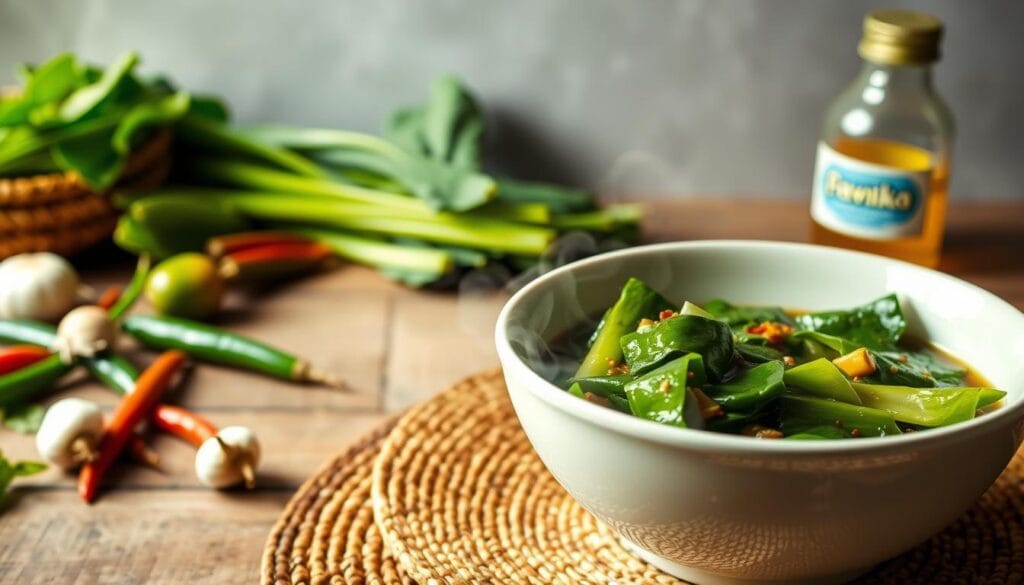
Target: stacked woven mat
<point>59,213</point>
<point>452,492</point>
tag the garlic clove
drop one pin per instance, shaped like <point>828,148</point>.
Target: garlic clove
<point>85,331</point>
<point>70,432</point>
<point>39,285</point>
<point>228,458</point>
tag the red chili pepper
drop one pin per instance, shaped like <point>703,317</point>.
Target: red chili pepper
<point>231,243</point>
<point>183,423</point>
<point>132,409</point>
<point>17,357</point>
<point>273,259</point>
<point>109,297</point>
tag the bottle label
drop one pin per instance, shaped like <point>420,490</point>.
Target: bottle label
<point>867,200</point>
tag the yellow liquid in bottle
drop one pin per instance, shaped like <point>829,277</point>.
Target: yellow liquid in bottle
<point>924,248</point>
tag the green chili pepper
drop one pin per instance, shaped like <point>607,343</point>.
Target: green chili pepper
<point>215,345</point>
<point>114,371</point>
<point>131,294</point>
<point>23,331</point>
<point>30,382</point>
<point>677,336</point>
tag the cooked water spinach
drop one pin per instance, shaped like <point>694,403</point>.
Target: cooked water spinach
<point>767,372</point>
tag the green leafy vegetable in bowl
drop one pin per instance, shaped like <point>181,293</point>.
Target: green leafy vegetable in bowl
<point>771,373</point>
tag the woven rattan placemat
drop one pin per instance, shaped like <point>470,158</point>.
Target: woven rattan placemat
<point>327,534</point>
<point>460,497</point>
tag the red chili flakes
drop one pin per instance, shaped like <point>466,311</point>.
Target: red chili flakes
<point>775,333</point>
<point>666,314</point>
<point>665,387</point>
<point>855,432</point>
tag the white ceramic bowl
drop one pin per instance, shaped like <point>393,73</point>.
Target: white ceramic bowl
<point>717,508</point>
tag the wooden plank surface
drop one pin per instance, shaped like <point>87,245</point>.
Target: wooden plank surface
<point>396,347</point>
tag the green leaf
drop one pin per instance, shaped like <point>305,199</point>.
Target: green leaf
<point>833,346</point>
<point>927,407</point>
<point>676,336</point>
<point>158,111</point>
<point>752,391</point>
<point>86,99</point>
<point>877,325</point>
<point>44,86</point>
<point>636,301</point>
<point>661,394</point>
<point>919,369</point>
<point>27,468</point>
<point>451,113</point>
<point>23,141</point>
<point>559,199</point>
<point>806,415</point>
<point>439,183</point>
<point>405,128</point>
<point>443,186</point>
<point>821,378</point>
<point>611,388</point>
<point>92,158</point>
<point>209,107</point>
<point>758,353</point>
<point>24,419</point>
<point>8,471</point>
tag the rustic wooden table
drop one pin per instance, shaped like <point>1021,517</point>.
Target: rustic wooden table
<point>396,347</point>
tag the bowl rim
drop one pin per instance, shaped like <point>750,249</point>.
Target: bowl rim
<point>709,441</point>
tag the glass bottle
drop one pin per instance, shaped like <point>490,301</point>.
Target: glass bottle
<point>880,181</point>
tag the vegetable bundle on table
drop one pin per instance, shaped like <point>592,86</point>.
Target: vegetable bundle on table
<point>414,204</point>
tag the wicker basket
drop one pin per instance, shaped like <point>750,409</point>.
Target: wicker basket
<point>59,213</point>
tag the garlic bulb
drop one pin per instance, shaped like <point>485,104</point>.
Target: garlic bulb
<point>85,331</point>
<point>40,286</point>
<point>229,457</point>
<point>70,432</point>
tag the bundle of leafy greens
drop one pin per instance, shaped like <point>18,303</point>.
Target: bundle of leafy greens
<point>763,372</point>
<point>415,203</point>
<point>70,116</point>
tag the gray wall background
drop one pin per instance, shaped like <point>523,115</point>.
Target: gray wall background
<point>645,97</point>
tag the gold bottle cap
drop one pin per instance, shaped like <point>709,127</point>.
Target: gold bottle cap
<point>900,37</point>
